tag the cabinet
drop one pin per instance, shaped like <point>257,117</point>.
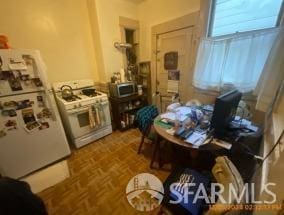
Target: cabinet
<point>124,109</point>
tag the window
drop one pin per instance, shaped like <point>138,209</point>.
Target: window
<point>237,59</point>
<point>232,16</point>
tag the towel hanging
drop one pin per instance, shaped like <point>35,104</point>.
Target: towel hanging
<point>91,117</point>
<point>98,115</point>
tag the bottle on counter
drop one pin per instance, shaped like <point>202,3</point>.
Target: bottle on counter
<point>140,90</point>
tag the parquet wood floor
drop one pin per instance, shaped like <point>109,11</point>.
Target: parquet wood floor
<point>100,172</point>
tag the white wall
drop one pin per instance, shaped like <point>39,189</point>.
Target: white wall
<point>60,29</point>
<point>76,37</point>
<point>153,12</point>
<point>107,14</point>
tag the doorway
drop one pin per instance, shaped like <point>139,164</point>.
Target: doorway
<point>179,42</point>
<point>178,37</point>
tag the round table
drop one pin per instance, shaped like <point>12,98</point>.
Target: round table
<point>161,133</point>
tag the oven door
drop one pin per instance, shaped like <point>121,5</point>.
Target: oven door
<point>80,122</point>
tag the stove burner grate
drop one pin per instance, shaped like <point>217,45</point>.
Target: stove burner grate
<point>72,99</point>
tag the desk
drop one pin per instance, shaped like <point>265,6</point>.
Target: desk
<point>162,133</point>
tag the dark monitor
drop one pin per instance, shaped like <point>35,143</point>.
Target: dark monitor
<point>224,111</point>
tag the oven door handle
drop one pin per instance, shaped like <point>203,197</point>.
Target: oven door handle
<point>86,108</point>
<point>78,110</point>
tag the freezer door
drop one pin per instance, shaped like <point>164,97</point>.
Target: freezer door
<point>21,71</point>
<point>31,134</point>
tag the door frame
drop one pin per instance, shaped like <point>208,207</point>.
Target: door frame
<point>127,23</point>
<point>189,20</point>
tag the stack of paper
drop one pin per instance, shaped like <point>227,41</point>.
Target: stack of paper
<point>245,123</point>
<point>169,115</point>
<point>183,110</point>
<point>196,138</point>
<point>173,116</point>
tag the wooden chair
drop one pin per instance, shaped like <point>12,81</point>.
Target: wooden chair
<point>145,135</point>
<point>144,119</point>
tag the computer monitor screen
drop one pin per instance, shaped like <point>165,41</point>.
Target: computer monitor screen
<point>224,111</point>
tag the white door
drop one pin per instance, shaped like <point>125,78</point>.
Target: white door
<point>176,41</point>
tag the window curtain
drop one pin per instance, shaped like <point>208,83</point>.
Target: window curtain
<point>235,61</point>
<point>272,75</point>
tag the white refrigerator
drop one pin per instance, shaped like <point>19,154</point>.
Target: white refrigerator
<point>31,132</point>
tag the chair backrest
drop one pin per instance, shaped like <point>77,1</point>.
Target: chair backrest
<point>145,116</point>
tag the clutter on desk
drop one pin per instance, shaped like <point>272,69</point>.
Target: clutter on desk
<point>192,124</point>
<point>208,108</point>
<point>183,110</point>
<point>171,131</point>
<point>163,124</point>
<point>173,106</point>
<point>196,138</point>
<point>185,120</point>
<point>177,112</point>
<point>170,116</point>
<point>238,122</point>
<point>193,103</point>
<point>244,110</point>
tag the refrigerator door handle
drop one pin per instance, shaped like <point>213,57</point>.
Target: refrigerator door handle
<point>49,96</point>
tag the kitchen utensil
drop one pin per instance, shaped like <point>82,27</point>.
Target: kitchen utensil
<point>66,92</point>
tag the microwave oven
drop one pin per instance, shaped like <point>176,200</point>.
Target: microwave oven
<point>120,90</point>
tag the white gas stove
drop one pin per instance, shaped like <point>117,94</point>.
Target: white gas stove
<point>85,116</point>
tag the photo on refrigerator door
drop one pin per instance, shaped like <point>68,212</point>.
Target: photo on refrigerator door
<point>17,74</point>
<point>17,64</point>
<point>37,82</point>
<point>9,112</point>
<point>10,124</point>
<point>45,113</point>
<point>24,104</point>
<point>24,77</point>
<point>30,63</point>
<point>2,75</point>
<point>28,116</point>
<point>40,101</point>
<point>43,125</point>
<point>31,126</point>
<point>15,84</point>
<point>10,104</point>
<point>6,75</point>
